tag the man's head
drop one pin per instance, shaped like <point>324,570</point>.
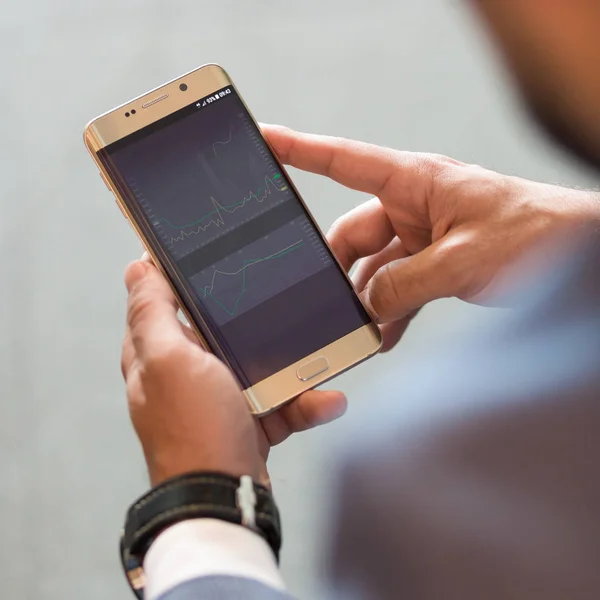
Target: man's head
<point>553,48</point>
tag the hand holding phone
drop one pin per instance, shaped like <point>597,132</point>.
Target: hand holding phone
<point>185,404</point>
<point>220,217</point>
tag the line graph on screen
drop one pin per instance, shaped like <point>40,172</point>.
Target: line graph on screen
<point>226,296</point>
<point>218,216</point>
<point>222,142</point>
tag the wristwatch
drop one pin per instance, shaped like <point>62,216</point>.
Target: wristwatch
<point>192,496</point>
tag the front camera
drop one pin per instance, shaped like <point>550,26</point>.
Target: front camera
<point>183,87</point>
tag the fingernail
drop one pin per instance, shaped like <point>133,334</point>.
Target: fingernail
<point>135,272</point>
<point>355,279</point>
<point>352,275</point>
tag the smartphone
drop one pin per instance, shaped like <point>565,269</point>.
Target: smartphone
<point>221,218</point>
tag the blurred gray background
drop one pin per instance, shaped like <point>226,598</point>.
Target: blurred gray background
<point>413,75</point>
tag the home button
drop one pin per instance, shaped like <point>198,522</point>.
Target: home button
<point>313,368</point>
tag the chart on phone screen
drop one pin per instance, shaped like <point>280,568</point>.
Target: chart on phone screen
<point>232,180</point>
<point>261,270</point>
<point>223,209</point>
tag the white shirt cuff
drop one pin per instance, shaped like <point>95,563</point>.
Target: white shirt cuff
<point>203,547</point>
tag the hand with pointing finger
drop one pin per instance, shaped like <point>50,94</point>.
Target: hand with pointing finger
<point>436,228</point>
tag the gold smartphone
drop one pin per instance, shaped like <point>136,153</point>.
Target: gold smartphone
<point>221,218</point>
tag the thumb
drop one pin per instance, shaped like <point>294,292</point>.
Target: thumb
<point>151,310</point>
<point>402,286</point>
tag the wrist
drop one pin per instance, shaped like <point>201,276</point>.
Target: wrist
<point>199,495</point>
<point>166,465</point>
<point>578,208</point>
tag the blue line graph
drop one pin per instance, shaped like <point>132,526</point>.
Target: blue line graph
<point>209,289</point>
<point>259,271</point>
<point>216,215</point>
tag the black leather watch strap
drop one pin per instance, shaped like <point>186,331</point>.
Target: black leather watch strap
<point>191,496</point>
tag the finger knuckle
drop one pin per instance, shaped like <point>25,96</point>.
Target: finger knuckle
<point>140,304</point>
<point>449,161</point>
<point>124,361</point>
<point>162,359</point>
<point>132,392</point>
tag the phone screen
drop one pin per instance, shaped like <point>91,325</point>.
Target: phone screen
<point>234,237</point>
